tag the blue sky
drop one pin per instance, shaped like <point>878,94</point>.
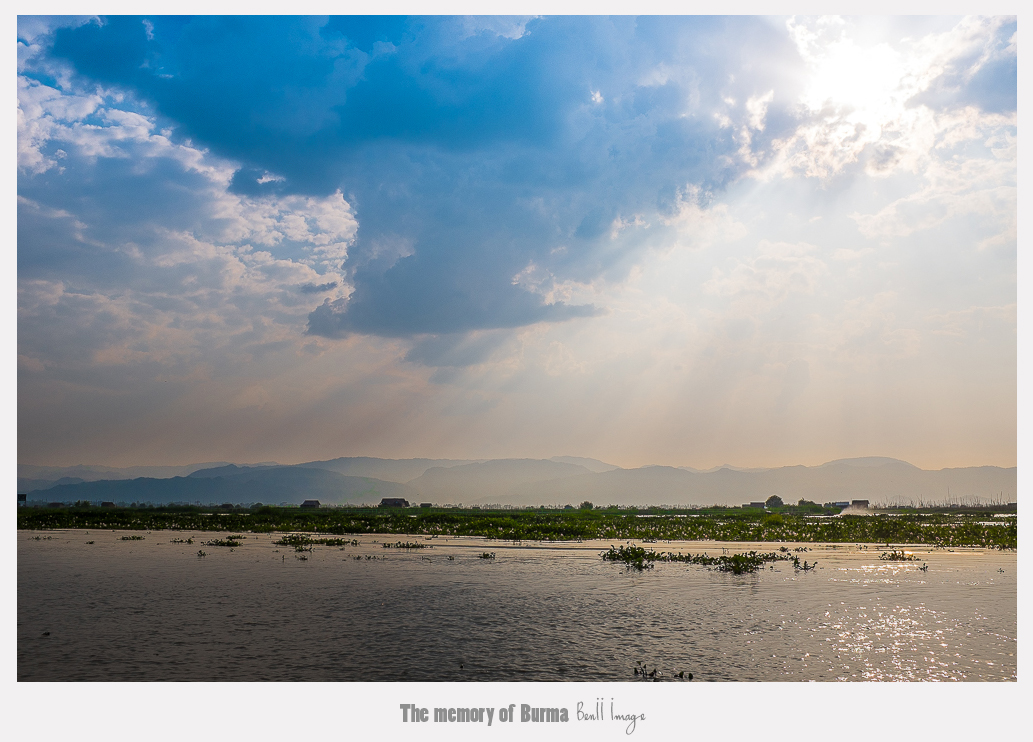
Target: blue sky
<point>668,240</point>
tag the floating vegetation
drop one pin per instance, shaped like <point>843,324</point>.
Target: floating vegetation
<point>40,538</point>
<point>641,559</point>
<point>936,527</point>
<point>132,538</point>
<point>230,542</point>
<point>89,542</point>
<point>487,555</point>
<point>897,556</point>
<point>657,674</point>
<point>181,541</point>
<point>406,545</point>
<point>201,553</point>
<point>634,556</point>
<point>803,566</point>
<point>300,539</point>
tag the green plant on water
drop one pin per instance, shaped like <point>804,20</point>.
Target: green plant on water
<point>89,542</point>
<point>803,566</point>
<point>230,542</point>
<point>935,527</point>
<point>739,564</point>
<point>487,555</point>
<point>300,539</point>
<point>897,555</point>
<point>405,545</point>
<point>201,553</point>
<point>639,558</point>
<point>132,538</point>
<point>633,556</point>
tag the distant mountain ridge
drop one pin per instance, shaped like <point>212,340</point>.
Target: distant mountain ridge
<point>557,481</point>
<point>486,480</point>
<point>270,485</point>
<point>391,470</point>
<point>895,481</point>
<point>44,477</point>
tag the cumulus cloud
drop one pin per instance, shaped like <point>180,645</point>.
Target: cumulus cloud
<point>135,254</point>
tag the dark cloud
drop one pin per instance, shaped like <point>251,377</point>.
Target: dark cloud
<point>322,288</point>
<point>484,154</point>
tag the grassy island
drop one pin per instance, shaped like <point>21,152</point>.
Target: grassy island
<point>944,527</point>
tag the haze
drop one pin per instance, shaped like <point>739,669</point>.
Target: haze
<point>679,241</point>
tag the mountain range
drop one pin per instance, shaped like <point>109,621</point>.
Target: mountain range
<point>517,482</point>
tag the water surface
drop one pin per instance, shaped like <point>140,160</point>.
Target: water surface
<point>154,610</point>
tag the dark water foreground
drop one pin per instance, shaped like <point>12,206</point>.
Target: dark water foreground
<point>150,609</point>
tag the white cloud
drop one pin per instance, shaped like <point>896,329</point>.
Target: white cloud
<point>964,323</point>
<point>956,187</point>
<point>757,106</point>
<point>860,99</point>
<point>189,294</point>
<point>777,270</point>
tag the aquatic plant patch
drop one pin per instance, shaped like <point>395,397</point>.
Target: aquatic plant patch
<point>897,556</point>
<point>641,559</point>
<point>301,539</point>
<point>230,542</point>
<point>935,528</point>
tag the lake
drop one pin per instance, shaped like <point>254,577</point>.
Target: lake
<point>150,609</point>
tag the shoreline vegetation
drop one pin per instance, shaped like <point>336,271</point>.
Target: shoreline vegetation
<point>939,527</point>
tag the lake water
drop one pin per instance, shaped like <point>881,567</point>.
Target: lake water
<point>154,610</point>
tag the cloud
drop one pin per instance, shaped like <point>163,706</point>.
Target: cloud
<point>481,147</point>
<point>776,271</point>
<point>890,105</point>
<point>305,237</point>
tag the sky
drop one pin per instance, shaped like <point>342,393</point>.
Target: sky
<point>688,241</point>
